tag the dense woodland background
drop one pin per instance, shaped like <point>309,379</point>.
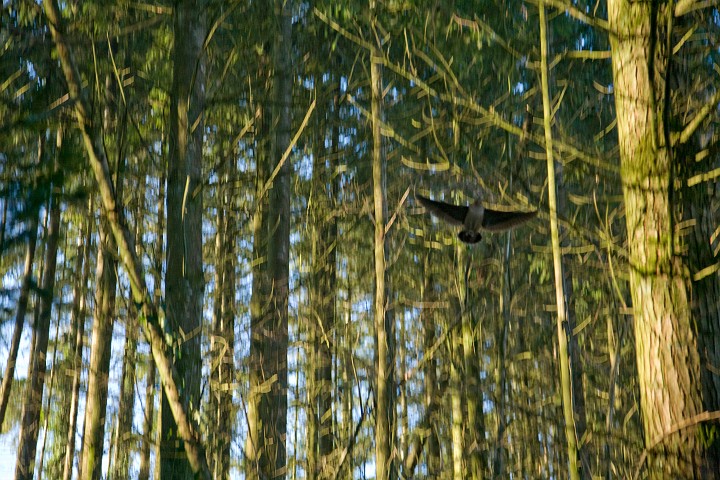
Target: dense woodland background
<point>213,264</point>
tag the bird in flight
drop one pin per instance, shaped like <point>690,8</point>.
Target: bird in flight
<point>475,218</point>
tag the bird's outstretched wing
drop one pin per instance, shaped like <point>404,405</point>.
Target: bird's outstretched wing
<point>454,214</point>
<point>498,221</point>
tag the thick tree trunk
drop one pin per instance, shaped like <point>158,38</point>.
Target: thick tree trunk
<point>274,407</point>
<point>666,345</point>
<point>32,401</point>
<point>184,283</point>
<point>267,406</point>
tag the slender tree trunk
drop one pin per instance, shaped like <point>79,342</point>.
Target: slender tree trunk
<point>430,380</point>
<point>384,341</point>
<point>149,318</point>
<point>456,406</point>
<point>502,369</point>
<point>222,342</point>
<point>9,374</point>
<point>322,315</point>
<point>32,401</point>
<point>348,379</point>
<point>254,443</point>
<point>148,439</point>
<point>184,282</point>
<point>666,345</point>
<point>475,432</point>
<point>147,436</point>
<point>103,319</point>
<point>96,404</point>
<point>77,321</point>
<point>51,387</point>
<point>123,441</point>
<point>560,300</point>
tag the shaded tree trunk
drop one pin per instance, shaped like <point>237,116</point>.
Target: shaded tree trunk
<point>27,281</point>
<point>32,401</point>
<point>322,301</point>
<point>96,404</point>
<point>223,339</point>
<point>184,282</point>
<point>267,406</point>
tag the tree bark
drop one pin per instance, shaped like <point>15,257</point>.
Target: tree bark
<point>666,346</point>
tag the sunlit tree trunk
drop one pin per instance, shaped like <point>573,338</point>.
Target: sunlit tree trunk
<point>456,406</point>
<point>92,448</point>
<point>32,399</point>
<point>666,346</point>
<point>560,300</point>
<point>501,374</point>
<point>103,318</point>
<point>384,341</point>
